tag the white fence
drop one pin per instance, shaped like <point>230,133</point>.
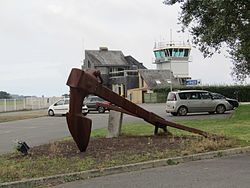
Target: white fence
<point>29,103</point>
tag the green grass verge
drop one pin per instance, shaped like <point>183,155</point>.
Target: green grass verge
<point>13,167</point>
<point>20,115</point>
<point>11,102</point>
<point>237,126</point>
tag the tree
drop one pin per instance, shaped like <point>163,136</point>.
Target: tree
<point>4,95</point>
<point>215,23</point>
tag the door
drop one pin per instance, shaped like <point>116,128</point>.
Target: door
<point>208,104</point>
<point>194,102</point>
<point>61,107</point>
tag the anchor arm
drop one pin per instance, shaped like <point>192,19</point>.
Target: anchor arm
<point>83,83</point>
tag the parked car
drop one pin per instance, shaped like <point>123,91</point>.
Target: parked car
<point>190,101</point>
<point>61,107</point>
<point>93,103</point>
<point>233,102</point>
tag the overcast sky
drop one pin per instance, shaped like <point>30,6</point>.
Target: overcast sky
<point>41,40</point>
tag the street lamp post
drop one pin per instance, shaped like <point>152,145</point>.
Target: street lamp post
<point>171,87</point>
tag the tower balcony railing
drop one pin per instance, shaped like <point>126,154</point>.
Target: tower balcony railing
<point>170,59</point>
<point>173,44</point>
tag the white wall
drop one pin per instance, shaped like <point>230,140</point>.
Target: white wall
<point>179,68</point>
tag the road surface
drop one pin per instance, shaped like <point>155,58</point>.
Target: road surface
<point>232,172</point>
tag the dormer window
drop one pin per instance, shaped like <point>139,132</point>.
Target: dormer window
<point>158,82</point>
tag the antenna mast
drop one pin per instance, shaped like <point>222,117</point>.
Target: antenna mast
<point>171,36</point>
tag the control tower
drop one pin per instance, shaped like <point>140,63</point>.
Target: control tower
<point>173,56</point>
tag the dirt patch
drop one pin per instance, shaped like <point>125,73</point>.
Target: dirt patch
<point>64,157</point>
<point>104,148</point>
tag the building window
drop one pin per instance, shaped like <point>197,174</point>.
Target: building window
<point>158,82</point>
<point>181,53</point>
<point>186,52</point>
<point>103,70</point>
<point>172,52</point>
<point>159,54</point>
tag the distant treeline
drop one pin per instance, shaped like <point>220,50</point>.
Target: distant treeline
<point>239,92</point>
<point>4,95</point>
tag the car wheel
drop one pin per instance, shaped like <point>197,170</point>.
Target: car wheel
<point>85,113</point>
<point>182,111</point>
<point>174,113</point>
<point>220,109</point>
<point>101,109</point>
<point>51,113</point>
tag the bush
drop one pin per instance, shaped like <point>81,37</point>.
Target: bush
<point>239,92</point>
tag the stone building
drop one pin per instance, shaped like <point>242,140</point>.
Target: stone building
<point>119,72</point>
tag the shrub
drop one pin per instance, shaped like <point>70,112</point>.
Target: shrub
<point>239,92</point>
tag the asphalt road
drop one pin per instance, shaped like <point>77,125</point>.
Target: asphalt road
<point>232,172</point>
<point>46,129</point>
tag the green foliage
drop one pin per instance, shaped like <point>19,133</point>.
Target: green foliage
<point>172,162</point>
<point>239,92</point>
<point>26,167</point>
<point>216,23</point>
<point>4,95</point>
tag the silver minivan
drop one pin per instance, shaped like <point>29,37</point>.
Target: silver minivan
<point>191,101</point>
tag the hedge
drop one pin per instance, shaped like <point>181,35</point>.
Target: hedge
<point>239,92</point>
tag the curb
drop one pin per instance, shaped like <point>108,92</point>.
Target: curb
<point>63,178</point>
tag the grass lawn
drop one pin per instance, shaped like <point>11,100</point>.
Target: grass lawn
<point>63,156</point>
<point>237,126</point>
<point>20,115</point>
<point>11,102</point>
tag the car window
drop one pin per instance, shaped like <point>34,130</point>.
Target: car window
<point>205,96</point>
<point>93,100</point>
<point>100,99</point>
<point>66,102</point>
<point>184,96</point>
<point>59,103</point>
<point>171,97</point>
<point>86,100</point>
<point>218,96</point>
<point>195,96</point>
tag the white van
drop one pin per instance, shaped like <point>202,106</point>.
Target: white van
<point>61,107</point>
<point>190,101</point>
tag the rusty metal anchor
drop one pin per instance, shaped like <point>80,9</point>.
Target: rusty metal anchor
<point>83,83</point>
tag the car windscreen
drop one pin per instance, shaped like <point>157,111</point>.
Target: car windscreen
<point>218,96</point>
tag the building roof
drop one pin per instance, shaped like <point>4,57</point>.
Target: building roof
<point>134,63</point>
<point>106,57</point>
<point>158,78</point>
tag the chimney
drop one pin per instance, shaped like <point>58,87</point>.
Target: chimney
<point>103,48</point>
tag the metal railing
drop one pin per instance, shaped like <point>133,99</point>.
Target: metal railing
<point>124,73</point>
<point>172,44</point>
